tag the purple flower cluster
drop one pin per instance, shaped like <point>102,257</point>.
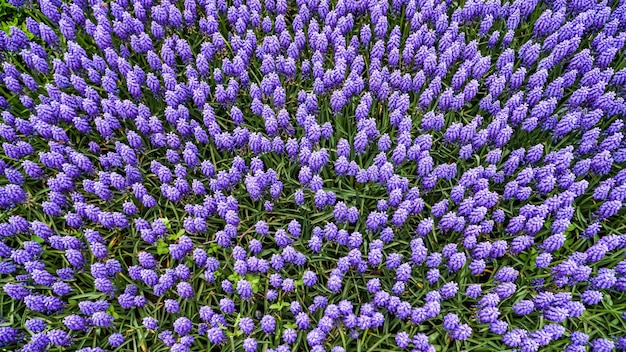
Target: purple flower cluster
<point>220,173</point>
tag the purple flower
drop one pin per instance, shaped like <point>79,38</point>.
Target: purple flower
<point>462,332</point>
<point>449,290</point>
<point>216,335</point>
<point>268,324</point>
<point>249,345</point>
<point>184,290</point>
<point>75,322</point>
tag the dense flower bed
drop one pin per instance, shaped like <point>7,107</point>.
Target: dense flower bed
<point>312,175</point>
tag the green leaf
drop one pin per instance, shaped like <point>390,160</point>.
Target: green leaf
<point>607,300</point>
<point>234,277</point>
<point>213,248</point>
<point>253,279</point>
<point>112,312</point>
<point>37,239</point>
<point>279,306</point>
<point>254,282</point>
<point>176,236</point>
<point>162,247</point>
